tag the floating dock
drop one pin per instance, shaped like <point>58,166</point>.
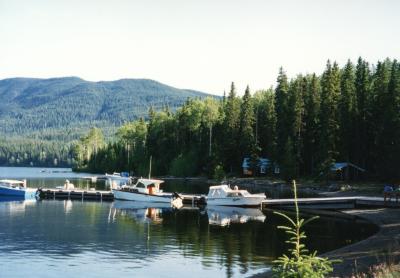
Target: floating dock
<point>328,203</point>
<point>99,195</point>
<point>332,203</point>
<point>96,195</point>
<point>194,200</point>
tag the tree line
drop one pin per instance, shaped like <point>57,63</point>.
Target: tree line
<point>19,151</point>
<point>304,125</point>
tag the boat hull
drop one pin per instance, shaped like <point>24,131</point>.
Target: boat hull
<point>254,201</point>
<point>27,193</point>
<point>140,197</point>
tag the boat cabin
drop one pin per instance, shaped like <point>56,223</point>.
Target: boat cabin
<point>146,186</point>
<point>224,191</point>
<point>13,184</point>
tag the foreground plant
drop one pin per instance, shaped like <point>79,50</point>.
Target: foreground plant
<point>300,262</point>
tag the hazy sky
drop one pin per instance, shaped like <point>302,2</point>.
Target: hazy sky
<point>203,44</point>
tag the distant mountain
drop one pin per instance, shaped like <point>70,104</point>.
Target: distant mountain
<point>28,104</point>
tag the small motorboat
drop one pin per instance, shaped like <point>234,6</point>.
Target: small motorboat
<point>117,179</point>
<point>146,190</point>
<point>17,188</point>
<point>223,195</point>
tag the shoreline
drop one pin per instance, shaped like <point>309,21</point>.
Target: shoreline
<point>381,247</point>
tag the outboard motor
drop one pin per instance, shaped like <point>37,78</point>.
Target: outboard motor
<point>202,201</point>
<point>175,195</point>
<point>39,193</point>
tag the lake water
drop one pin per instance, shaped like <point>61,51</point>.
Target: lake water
<point>51,238</point>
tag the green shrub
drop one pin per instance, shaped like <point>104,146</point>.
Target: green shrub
<point>184,165</point>
<point>300,263</point>
<point>219,173</point>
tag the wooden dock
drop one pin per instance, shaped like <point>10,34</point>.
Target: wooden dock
<point>332,203</point>
<point>194,200</point>
<point>328,203</point>
<point>96,195</point>
<point>99,195</point>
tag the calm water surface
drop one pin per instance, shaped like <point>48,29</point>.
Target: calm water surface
<point>127,239</point>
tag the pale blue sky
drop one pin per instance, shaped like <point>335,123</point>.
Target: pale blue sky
<point>201,45</point>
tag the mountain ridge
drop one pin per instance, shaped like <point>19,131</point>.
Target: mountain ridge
<point>31,104</point>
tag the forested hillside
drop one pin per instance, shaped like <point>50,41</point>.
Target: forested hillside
<point>39,118</point>
<point>304,125</point>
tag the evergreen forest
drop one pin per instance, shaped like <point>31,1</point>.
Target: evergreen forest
<point>304,124</point>
<point>41,119</point>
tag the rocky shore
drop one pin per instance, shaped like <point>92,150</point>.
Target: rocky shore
<point>383,247</point>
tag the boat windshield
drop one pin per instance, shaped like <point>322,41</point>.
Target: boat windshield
<point>12,184</point>
<point>140,185</point>
<point>215,192</point>
<point>234,194</point>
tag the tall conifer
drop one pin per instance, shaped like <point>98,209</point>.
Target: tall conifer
<point>329,120</point>
<point>312,101</point>
<point>347,113</point>
<point>247,119</point>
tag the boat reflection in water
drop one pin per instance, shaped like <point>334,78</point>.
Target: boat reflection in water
<point>224,216</point>
<point>15,205</point>
<point>140,211</point>
<point>148,212</point>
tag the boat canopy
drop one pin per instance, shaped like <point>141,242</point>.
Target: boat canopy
<point>12,182</point>
<point>147,182</point>
<point>218,191</point>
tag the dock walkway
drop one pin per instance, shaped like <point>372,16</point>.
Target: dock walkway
<point>101,195</point>
<point>328,203</point>
<point>333,203</point>
<point>76,194</point>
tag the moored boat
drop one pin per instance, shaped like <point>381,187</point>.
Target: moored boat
<point>223,195</point>
<point>146,190</point>
<point>117,179</point>
<point>16,188</point>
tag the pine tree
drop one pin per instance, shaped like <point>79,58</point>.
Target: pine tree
<point>312,101</point>
<point>231,130</point>
<point>385,90</point>
<point>394,121</point>
<point>297,90</point>
<point>347,113</point>
<point>282,110</point>
<point>329,118</point>
<point>363,137</point>
<point>246,132</point>
<point>266,124</point>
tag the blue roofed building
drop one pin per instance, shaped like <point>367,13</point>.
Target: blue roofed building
<point>261,167</point>
<point>346,171</point>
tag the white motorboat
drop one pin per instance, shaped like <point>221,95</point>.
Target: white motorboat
<point>223,195</point>
<point>16,188</point>
<point>117,179</point>
<point>146,190</point>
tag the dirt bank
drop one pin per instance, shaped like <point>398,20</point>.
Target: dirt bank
<point>384,246</point>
